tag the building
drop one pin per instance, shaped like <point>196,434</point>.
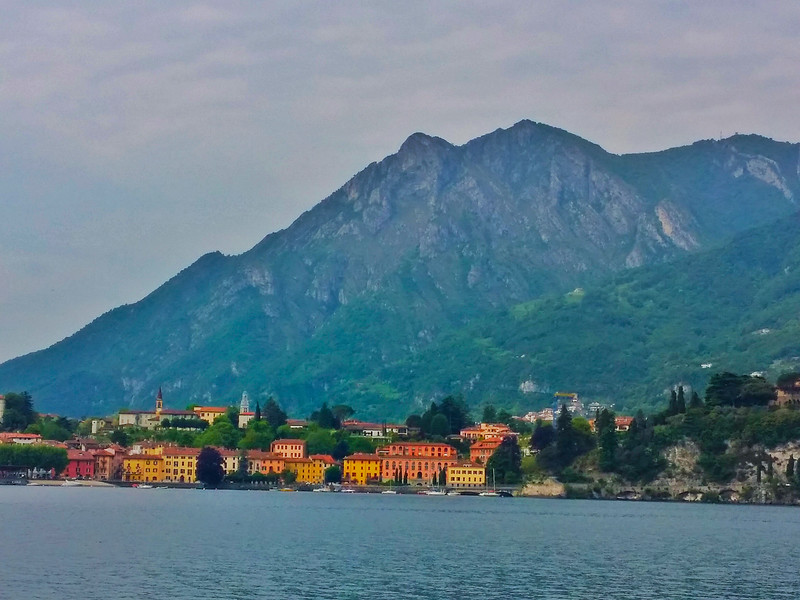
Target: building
<point>289,448</point>
<point>108,463</point>
<point>209,413</point>
<point>80,465</point>
<point>20,438</point>
<point>180,464</point>
<point>482,450</point>
<point>621,423</point>
<point>374,430</point>
<point>788,392</point>
<point>150,419</point>
<point>143,468</point>
<point>296,423</point>
<point>482,431</point>
<point>466,475</point>
<point>362,469</point>
<point>416,462</point>
<point>265,462</point>
<point>245,418</point>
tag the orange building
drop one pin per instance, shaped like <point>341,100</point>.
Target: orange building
<point>416,461</point>
<point>483,431</point>
<point>362,469</point>
<point>480,451</point>
<point>264,462</point>
<point>289,448</point>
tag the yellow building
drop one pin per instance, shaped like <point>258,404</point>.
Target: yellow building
<point>466,475</point>
<point>362,468</point>
<point>209,413</point>
<point>143,468</point>
<point>180,464</point>
<point>304,468</point>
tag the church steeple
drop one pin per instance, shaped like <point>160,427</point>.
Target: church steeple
<point>244,405</point>
<point>159,403</point>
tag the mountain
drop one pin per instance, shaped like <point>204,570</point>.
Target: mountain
<point>410,250</point>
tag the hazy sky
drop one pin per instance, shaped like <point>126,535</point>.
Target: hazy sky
<point>136,137</point>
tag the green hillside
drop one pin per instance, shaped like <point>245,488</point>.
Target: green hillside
<point>626,341</point>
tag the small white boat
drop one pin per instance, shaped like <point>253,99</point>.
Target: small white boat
<point>435,493</point>
<point>489,493</point>
<point>348,491</point>
<point>322,489</point>
<point>388,492</point>
<point>144,486</point>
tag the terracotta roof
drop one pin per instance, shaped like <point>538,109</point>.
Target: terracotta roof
<point>289,441</point>
<point>261,455</point>
<point>19,436</point>
<point>361,456</point>
<point>79,455</point>
<point>490,443</point>
<point>219,409</point>
<point>178,451</point>
<point>324,458</point>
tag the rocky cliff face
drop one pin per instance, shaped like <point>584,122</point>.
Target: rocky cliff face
<point>422,241</point>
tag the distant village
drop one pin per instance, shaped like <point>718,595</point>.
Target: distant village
<point>399,457</point>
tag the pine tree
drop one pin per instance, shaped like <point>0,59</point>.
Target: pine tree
<point>695,402</point>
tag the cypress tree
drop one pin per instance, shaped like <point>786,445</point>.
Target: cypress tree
<point>673,404</point>
<point>681,402</point>
<point>405,478</point>
<point>790,468</point>
<point>695,402</point>
<point>257,416</point>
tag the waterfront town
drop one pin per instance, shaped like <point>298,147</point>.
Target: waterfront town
<point>399,455</point>
<point>738,444</point>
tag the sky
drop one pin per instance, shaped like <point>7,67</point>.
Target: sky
<point>136,137</point>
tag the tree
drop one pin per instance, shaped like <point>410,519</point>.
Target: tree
<point>435,480</point>
<point>325,418</point>
<point>695,402</point>
<point>333,474</point>
<point>414,422</point>
<point>118,436</point>
<point>288,477</point>
<point>274,414</point>
<point>790,465</point>
<point>443,476</point>
<point>232,413</point>
<point>258,436</point>
<point>209,467</point>
<point>221,433</point>
<point>728,389</point>
<point>19,413</point>
<point>542,436</point>
<point>440,426</point>
<point>257,415</point>
<point>506,461</point>
<point>606,439</point>
<point>681,401</point>
<point>342,412</point>
<point>320,441</point>
<point>244,464</point>
<point>489,414</point>
<point>405,478</point>
<point>340,450</point>
<point>673,403</point>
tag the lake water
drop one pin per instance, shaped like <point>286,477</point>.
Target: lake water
<point>70,543</point>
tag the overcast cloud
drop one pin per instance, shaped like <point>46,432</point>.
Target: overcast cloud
<point>136,137</point>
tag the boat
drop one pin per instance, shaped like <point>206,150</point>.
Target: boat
<point>436,493</point>
<point>348,491</point>
<point>388,492</point>
<point>144,486</point>
<point>491,492</point>
<point>322,489</point>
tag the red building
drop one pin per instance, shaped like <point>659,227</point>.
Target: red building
<point>80,466</point>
